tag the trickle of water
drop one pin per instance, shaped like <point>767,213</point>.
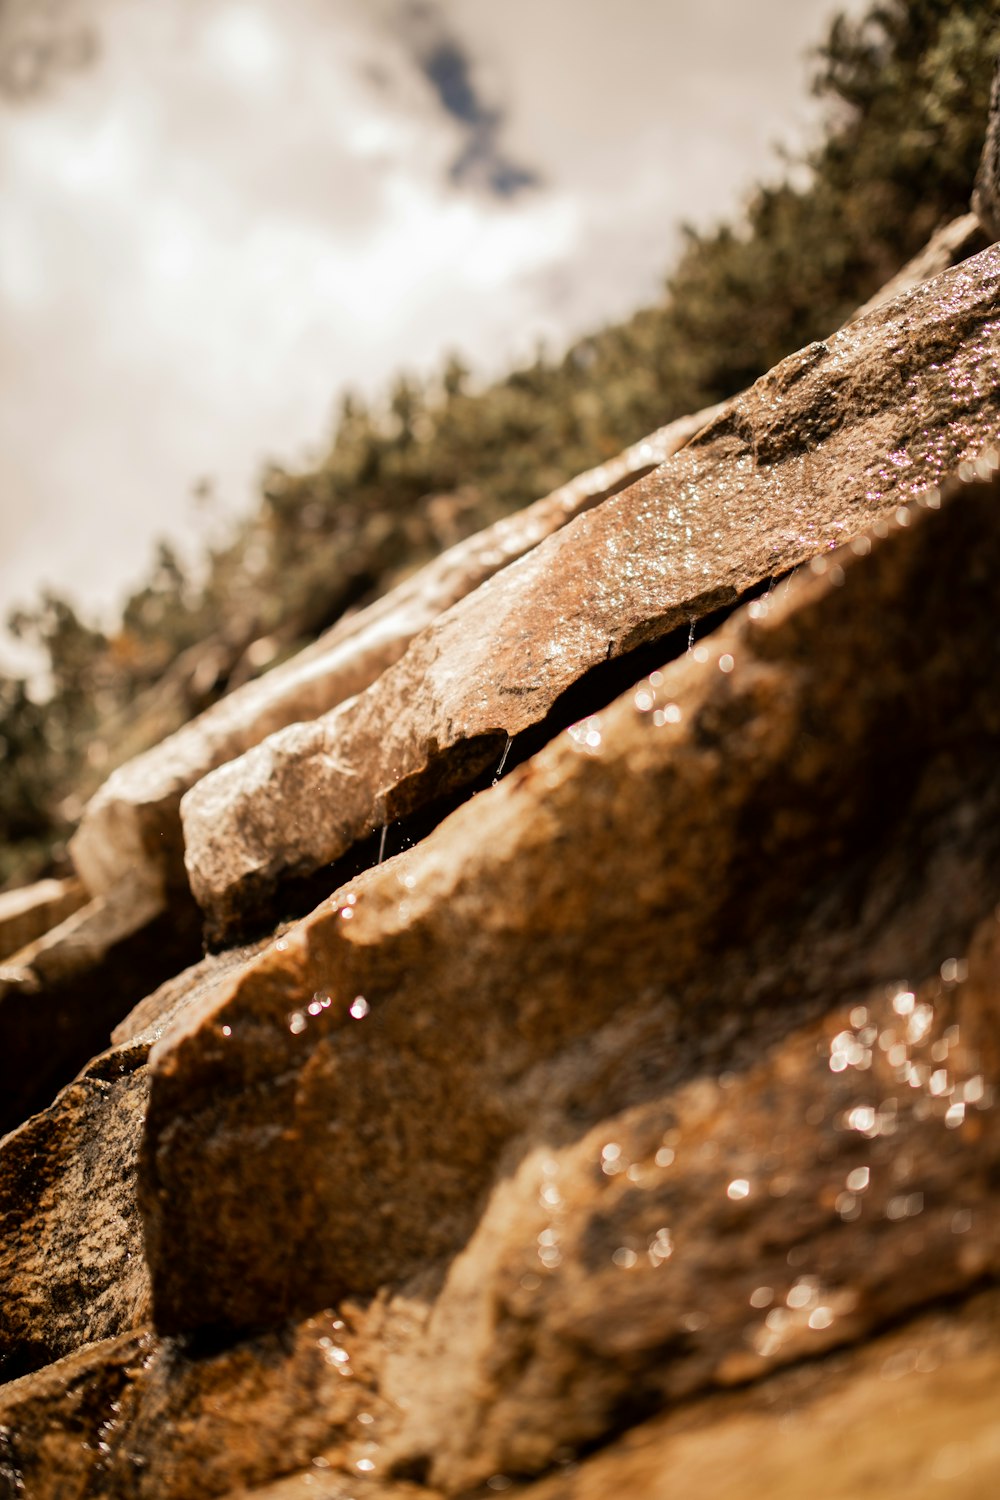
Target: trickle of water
<point>503,760</point>
<point>381,843</point>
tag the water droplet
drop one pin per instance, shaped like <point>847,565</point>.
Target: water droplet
<point>359,1007</point>
<point>739,1188</point>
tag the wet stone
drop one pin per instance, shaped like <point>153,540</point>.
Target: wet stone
<point>131,828</point>
<point>742,1222</point>
<point>834,437</point>
<point>61,996</point>
<point>761,826</point>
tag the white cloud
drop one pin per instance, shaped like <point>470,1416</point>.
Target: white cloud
<point>244,207</point>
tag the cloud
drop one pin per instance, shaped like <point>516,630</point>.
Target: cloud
<point>449,69</point>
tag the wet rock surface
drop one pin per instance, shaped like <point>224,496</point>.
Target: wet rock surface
<point>635,1133</point>
<point>72,1261</point>
<point>71,1253</point>
<point>131,828</point>
<point>61,995</point>
<point>357,1082</point>
<point>731,1226</point>
<point>833,437</point>
<point>911,1414</point>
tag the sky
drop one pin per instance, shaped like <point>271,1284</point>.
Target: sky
<point>217,215</point>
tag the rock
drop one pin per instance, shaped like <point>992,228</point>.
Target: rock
<point>28,912</point>
<point>71,1258</point>
<point>702,1238</point>
<point>131,828</point>
<point>61,995</point>
<point>71,1252</point>
<point>762,827</point>
<point>986,193</point>
<point>833,437</point>
<point>140,1418</point>
<point>912,1415</point>
<point>53,1423</point>
<point>146,1022</point>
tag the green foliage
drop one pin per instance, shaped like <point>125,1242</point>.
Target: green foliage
<point>906,88</point>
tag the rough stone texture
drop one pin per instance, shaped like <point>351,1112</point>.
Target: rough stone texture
<point>71,1259</point>
<point>131,828</point>
<point>72,1264</point>
<point>986,193</point>
<point>913,1415</point>
<point>725,1228</point>
<point>832,437</point>
<point>909,1414</point>
<point>765,825</point>
<point>139,1418</point>
<point>61,995</point>
<point>28,912</point>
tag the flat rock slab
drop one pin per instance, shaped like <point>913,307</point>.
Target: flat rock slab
<point>61,996</point>
<point>832,438</point>
<point>71,1257</point>
<point>771,820</point>
<point>912,1414</point>
<point>31,910</point>
<point>72,1263</point>
<point>737,1224</point>
<point>140,1418</point>
<point>131,828</point>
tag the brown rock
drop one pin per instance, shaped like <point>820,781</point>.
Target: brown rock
<point>139,1418</point>
<point>71,1260</point>
<point>914,1414</point>
<point>53,1423</point>
<point>833,437</point>
<point>131,828</point>
<point>71,1252</point>
<point>765,825</point>
<point>28,912</point>
<point>845,1179</point>
<point>61,995</point>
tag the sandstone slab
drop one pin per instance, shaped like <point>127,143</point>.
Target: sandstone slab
<point>61,995</point>
<point>139,1418</point>
<point>832,438</point>
<point>739,1223</point>
<point>30,911</point>
<point>912,1414</point>
<point>72,1263</point>
<point>770,820</point>
<point>71,1256</point>
<point>131,828</point>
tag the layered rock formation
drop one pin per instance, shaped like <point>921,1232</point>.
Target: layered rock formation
<point>636,1129</point>
<point>851,426</point>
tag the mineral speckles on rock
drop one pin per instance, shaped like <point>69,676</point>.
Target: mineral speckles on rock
<point>131,828</point>
<point>710,1225</point>
<point>792,796</point>
<point>788,470</point>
